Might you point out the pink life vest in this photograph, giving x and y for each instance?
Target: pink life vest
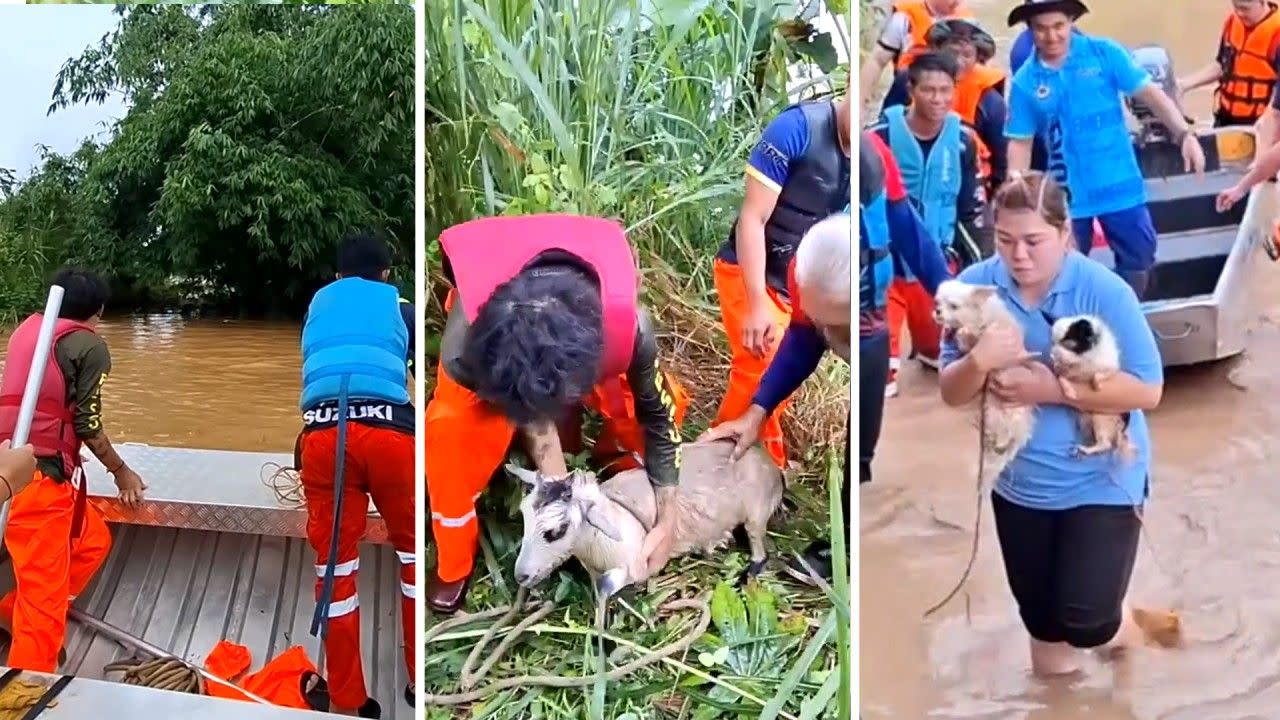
(52, 429)
(487, 252)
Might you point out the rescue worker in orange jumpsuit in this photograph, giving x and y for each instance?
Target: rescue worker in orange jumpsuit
(938, 156)
(1247, 65)
(979, 91)
(905, 35)
(797, 174)
(543, 319)
(357, 341)
(56, 539)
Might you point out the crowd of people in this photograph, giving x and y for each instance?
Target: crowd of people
(1007, 181)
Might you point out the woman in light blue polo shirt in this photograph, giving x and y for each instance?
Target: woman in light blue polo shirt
(1067, 525)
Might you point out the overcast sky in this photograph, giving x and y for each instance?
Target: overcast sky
(35, 40)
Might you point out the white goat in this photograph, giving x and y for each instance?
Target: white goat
(604, 525)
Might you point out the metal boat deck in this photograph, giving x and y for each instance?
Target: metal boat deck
(84, 698)
(213, 554)
(218, 490)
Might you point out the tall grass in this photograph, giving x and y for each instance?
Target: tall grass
(644, 112)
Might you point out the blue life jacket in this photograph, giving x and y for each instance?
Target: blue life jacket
(354, 328)
(875, 261)
(933, 183)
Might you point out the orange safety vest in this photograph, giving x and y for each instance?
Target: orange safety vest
(282, 681)
(970, 88)
(1248, 78)
(921, 19)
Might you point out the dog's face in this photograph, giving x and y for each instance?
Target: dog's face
(1076, 336)
(959, 305)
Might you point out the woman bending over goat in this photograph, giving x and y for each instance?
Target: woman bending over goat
(544, 319)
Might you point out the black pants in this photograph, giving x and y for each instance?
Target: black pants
(873, 375)
(1069, 570)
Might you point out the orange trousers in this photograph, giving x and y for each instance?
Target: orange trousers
(50, 566)
(379, 464)
(908, 301)
(745, 369)
(467, 441)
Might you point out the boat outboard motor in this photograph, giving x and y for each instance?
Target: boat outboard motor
(1156, 61)
(1158, 155)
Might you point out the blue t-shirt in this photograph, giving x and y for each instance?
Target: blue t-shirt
(1046, 475)
(784, 141)
(1038, 96)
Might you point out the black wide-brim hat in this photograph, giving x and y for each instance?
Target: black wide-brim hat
(1030, 8)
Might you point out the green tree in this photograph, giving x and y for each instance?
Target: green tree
(256, 136)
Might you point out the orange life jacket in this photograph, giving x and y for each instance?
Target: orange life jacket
(1248, 78)
(921, 18)
(282, 681)
(971, 86)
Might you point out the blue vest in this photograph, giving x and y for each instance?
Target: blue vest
(933, 183)
(1090, 149)
(875, 262)
(354, 328)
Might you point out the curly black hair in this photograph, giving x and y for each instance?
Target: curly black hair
(535, 348)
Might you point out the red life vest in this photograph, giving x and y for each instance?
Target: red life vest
(52, 430)
(487, 252)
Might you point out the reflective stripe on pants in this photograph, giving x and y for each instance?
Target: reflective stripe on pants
(379, 466)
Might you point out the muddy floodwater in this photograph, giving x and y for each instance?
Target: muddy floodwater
(202, 383)
(1211, 550)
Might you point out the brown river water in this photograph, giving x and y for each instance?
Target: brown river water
(1212, 548)
(211, 384)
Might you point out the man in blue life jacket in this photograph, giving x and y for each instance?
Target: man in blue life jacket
(938, 156)
(357, 344)
(1070, 91)
(978, 95)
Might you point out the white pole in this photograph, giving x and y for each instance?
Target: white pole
(35, 378)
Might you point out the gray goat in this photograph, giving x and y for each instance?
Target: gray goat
(604, 524)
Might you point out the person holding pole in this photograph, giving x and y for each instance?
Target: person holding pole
(56, 540)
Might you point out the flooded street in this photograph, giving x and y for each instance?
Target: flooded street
(202, 383)
(1211, 549)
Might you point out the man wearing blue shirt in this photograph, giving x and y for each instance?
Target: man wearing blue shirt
(1069, 92)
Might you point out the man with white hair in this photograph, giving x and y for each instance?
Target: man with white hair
(820, 280)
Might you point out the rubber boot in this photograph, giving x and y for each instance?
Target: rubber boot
(370, 709)
(1139, 280)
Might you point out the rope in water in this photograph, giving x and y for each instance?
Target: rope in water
(472, 676)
